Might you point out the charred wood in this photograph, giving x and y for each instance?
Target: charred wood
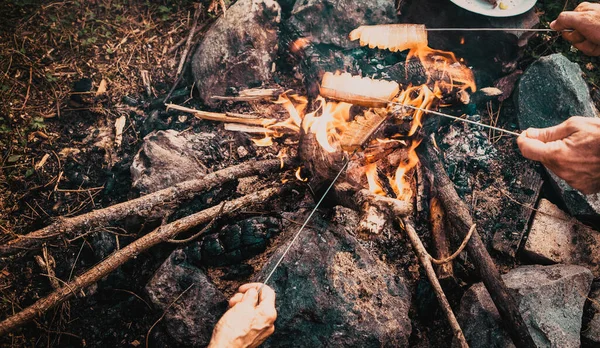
(441, 244)
(460, 218)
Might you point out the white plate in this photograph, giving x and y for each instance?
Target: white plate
(514, 7)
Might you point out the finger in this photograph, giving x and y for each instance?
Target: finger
(549, 134)
(588, 48)
(565, 20)
(237, 298)
(533, 149)
(267, 295)
(574, 36)
(248, 286)
(584, 6)
(267, 304)
(250, 297)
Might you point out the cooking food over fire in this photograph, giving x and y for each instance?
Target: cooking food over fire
(393, 37)
(358, 90)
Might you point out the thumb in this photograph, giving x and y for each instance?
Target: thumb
(549, 134)
(250, 297)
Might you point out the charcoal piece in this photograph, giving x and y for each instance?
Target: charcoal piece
(406, 73)
(236, 242)
(211, 247)
(231, 237)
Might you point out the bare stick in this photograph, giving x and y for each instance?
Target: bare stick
(459, 216)
(144, 207)
(118, 258)
(425, 260)
(215, 116)
(188, 43)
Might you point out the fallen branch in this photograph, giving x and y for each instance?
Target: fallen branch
(215, 116)
(253, 94)
(440, 238)
(118, 258)
(143, 207)
(425, 260)
(459, 216)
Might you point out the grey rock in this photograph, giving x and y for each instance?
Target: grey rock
(556, 237)
(550, 298)
(189, 320)
(331, 21)
(238, 50)
(550, 91)
(591, 331)
(169, 157)
(331, 292)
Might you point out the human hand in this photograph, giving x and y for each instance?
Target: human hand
(570, 150)
(585, 22)
(249, 320)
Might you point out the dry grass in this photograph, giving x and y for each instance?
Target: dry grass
(45, 48)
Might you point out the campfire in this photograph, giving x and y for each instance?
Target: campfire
(337, 163)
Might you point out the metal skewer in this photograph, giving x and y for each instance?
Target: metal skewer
(452, 117)
(496, 29)
(293, 241)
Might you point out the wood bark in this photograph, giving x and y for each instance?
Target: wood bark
(118, 258)
(459, 216)
(143, 207)
(441, 244)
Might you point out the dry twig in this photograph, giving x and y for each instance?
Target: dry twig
(129, 252)
(143, 207)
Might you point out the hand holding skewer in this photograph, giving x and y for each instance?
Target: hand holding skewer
(585, 22)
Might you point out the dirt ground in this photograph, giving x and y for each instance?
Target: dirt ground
(55, 56)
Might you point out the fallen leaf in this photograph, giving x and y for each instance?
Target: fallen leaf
(102, 88)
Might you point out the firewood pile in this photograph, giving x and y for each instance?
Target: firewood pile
(407, 196)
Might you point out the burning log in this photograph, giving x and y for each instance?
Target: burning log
(118, 258)
(459, 216)
(143, 207)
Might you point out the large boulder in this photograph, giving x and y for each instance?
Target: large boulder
(331, 292)
(330, 21)
(239, 49)
(550, 299)
(550, 91)
(169, 157)
(189, 319)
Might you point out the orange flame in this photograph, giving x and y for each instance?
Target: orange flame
(400, 185)
(374, 186)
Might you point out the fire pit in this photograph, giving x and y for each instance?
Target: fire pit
(334, 178)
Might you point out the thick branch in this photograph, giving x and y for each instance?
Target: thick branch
(118, 258)
(142, 207)
(440, 238)
(459, 216)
